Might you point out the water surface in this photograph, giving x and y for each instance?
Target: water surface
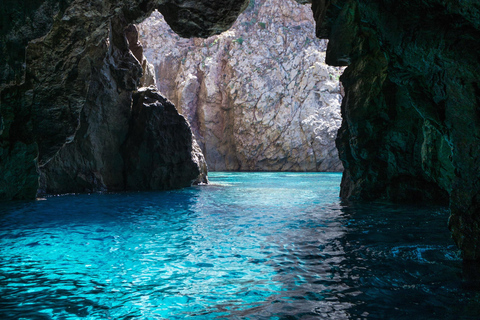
(247, 246)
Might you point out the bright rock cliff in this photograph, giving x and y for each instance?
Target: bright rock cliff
(259, 96)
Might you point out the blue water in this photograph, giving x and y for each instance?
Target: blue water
(247, 246)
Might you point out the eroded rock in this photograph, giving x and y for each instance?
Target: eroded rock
(411, 128)
(127, 140)
(259, 96)
(66, 107)
(91, 161)
(160, 151)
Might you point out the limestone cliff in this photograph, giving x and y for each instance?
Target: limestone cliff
(259, 96)
(411, 124)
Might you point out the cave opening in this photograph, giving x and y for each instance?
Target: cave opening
(258, 97)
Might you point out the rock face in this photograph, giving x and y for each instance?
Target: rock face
(258, 97)
(411, 124)
(107, 152)
(159, 148)
(66, 109)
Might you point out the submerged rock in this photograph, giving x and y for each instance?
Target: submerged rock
(259, 96)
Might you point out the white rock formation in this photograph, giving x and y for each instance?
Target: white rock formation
(259, 96)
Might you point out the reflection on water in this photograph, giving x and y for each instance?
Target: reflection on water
(248, 246)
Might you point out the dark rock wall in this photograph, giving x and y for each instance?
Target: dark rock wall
(92, 161)
(156, 127)
(20, 22)
(411, 121)
(66, 88)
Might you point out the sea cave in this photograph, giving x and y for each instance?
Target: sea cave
(267, 159)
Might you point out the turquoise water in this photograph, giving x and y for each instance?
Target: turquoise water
(247, 246)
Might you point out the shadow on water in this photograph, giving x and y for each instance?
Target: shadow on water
(373, 261)
(25, 304)
(405, 264)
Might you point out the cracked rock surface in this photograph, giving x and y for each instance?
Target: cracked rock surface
(259, 96)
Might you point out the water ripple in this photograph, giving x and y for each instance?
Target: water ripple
(249, 246)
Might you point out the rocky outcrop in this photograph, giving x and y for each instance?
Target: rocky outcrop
(411, 128)
(258, 97)
(160, 152)
(121, 145)
(67, 106)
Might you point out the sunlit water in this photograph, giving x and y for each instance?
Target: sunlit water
(248, 246)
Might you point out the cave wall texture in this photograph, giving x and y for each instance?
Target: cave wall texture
(67, 85)
(411, 110)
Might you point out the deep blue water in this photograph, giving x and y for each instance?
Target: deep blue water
(248, 246)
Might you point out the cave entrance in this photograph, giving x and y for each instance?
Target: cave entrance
(259, 97)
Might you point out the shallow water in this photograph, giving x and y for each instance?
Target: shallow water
(248, 246)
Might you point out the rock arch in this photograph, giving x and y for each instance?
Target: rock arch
(72, 99)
